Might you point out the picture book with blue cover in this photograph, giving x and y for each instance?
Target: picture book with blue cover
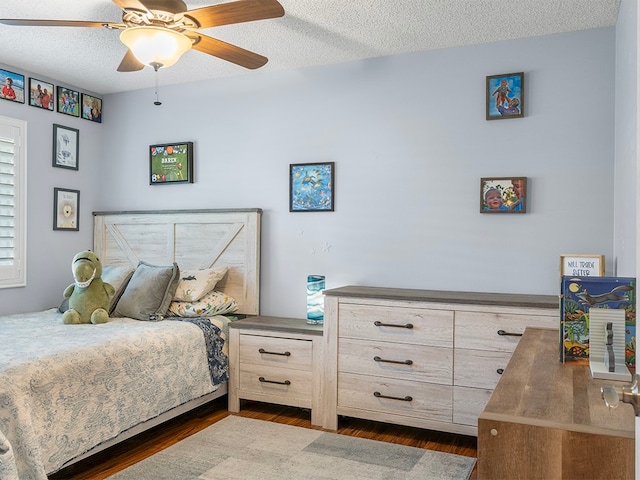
(580, 294)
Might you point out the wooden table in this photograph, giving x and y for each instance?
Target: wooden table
(547, 420)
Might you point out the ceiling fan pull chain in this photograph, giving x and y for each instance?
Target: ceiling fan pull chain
(157, 102)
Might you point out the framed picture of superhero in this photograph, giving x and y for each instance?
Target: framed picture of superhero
(505, 96)
(12, 86)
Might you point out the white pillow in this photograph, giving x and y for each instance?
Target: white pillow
(195, 284)
(214, 303)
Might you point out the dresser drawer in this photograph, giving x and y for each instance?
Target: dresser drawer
(479, 368)
(479, 330)
(396, 360)
(276, 351)
(397, 324)
(296, 385)
(428, 401)
(468, 404)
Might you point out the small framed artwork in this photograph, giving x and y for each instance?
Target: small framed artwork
(12, 86)
(66, 209)
(68, 101)
(66, 147)
(582, 265)
(171, 163)
(505, 96)
(91, 108)
(311, 187)
(41, 94)
(503, 195)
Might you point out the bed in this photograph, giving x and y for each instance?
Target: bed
(69, 391)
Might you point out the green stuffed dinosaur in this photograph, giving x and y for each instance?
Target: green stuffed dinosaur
(88, 295)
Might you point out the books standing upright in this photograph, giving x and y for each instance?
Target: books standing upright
(581, 294)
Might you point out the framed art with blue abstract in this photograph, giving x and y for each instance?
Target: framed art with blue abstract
(311, 187)
(505, 96)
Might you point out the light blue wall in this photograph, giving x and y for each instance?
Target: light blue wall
(410, 142)
(626, 138)
(49, 252)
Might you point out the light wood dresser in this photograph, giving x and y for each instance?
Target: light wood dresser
(422, 358)
(547, 420)
(276, 360)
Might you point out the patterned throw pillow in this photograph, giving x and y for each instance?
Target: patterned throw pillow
(214, 303)
(195, 284)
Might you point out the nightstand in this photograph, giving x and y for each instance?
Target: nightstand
(276, 360)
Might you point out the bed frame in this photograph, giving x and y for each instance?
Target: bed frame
(193, 239)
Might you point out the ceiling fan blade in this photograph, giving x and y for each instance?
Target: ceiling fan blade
(59, 23)
(130, 63)
(235, 12)
(228, 52)
(130, 4)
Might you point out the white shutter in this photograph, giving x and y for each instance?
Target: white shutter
(12, 202)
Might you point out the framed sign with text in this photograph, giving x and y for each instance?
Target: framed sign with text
(582, 265)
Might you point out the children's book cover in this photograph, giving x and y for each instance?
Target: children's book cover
(578, 295)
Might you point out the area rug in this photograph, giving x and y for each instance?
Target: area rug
(244, 448)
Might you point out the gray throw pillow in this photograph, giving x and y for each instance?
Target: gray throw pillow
(149, 292)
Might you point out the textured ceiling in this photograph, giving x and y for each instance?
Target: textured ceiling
(312, 32)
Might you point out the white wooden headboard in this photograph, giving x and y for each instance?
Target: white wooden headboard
(193, 239)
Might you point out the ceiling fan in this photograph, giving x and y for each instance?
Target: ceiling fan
(158, 32)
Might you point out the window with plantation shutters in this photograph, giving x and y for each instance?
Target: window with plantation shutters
(12, 202)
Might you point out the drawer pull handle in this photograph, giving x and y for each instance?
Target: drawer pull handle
(509, 334)
(500, 371)
(378, 323)
(284, 354)
(402, 362)
(402, 399)
(264, 380)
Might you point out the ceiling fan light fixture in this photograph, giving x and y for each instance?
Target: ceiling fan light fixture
(156, 46)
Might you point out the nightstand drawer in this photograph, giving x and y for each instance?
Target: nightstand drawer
(296, 385)
(396, 360)
(276, 351)
(398, 397)
(418, 326)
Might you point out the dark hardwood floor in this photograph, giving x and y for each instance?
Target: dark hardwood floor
(146, 444)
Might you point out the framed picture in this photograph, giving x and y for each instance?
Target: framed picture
(503, 195)
(68, 101)
(505, 96)
(12, 86)
(311, 187)
(41, 94)
(582, 265)
(91, 108)
(66, 209)
(171, 163)
(66, 147)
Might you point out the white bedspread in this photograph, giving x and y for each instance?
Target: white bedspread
(67, 388)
